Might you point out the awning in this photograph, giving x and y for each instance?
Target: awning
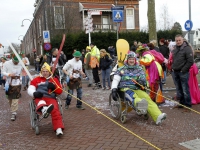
(94, 7)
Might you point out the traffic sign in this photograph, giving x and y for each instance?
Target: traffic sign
(47, 46)
(117, 15)
(188, 25)
(46, 35)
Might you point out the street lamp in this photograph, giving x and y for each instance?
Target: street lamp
(19, 36)
(23, 21)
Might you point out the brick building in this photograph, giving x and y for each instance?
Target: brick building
(66, 16)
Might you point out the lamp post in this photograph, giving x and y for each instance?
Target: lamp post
(19, 36)
(23, 26)
(23, 21)
(189, 36)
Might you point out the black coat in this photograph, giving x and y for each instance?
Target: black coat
(182, 58)
(105, 62)
(164, 50)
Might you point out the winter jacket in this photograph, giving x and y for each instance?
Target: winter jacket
(164, 50)
(182, 58)
(105, 62)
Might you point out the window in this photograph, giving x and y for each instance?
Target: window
(39, 27)
(196, 33)
(130, 19)
(59, 19)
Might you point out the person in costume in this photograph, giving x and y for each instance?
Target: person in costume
(73, 69)
(12, 70)
(25, 78)
(154, 72)
(44, 89)
(130, 78)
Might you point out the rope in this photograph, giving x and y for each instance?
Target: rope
(142, 87)
(94, 108)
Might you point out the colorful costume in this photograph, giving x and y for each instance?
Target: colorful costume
(154, 74)
(130, 79)
(41, 84)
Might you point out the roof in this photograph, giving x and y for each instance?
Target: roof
(93, 6)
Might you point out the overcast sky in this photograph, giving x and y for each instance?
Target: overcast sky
(13, 12)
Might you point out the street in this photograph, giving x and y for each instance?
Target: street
(90, 130)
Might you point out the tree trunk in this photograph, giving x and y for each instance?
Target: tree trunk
(152, 20)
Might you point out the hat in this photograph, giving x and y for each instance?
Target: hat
(22, 53)
(15, 59)
(46, 66)
(141, 48)
(4, 58)
(77, 54)
(131, 55)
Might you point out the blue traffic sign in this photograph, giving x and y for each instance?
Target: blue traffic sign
(117, 15)
(188, 25)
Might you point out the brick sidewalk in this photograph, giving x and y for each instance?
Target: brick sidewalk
(89, 130)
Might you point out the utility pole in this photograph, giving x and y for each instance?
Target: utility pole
(189, 36)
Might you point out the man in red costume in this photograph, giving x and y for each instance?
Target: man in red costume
(44, 89)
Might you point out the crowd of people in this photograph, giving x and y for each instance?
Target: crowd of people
(146, 65)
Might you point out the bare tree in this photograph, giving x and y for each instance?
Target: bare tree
(165, 22)
(152, 20)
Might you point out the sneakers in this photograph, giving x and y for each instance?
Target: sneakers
(80, 107)
(103, 88)
(141, 107)
(46, 110)
(59, 132)
(13, 117)
(160, 118)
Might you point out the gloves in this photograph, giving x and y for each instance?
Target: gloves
(114, 94)
(51, 86)
(38, 95)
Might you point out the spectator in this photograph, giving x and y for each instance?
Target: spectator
(25, 78)
(95, 58)
(105, 66)
(165, 52)
(87, 65)
(134, 46)
(182, 61)
(154, 42)
(2, 80)
(44, 89)
(44, 60)
(37, 63)
(63, 56)
(112, 51)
